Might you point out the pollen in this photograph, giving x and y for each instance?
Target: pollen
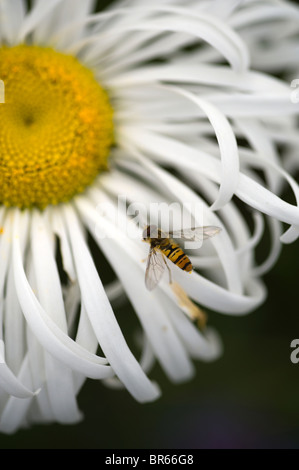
(56, 127)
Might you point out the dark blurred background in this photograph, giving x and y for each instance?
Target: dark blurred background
(247, 399)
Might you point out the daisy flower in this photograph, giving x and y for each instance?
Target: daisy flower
(157, 103)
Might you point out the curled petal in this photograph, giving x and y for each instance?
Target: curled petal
(103, 320)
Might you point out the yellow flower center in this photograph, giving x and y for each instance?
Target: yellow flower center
(56, 127)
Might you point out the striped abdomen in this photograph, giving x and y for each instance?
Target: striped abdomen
(175, 254)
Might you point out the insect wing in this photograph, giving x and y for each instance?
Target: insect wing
(154, 269)
(196, 234)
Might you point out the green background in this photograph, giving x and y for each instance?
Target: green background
(247, 399)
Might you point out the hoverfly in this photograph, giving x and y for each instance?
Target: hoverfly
(162, 246)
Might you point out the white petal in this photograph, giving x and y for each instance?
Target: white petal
(202, 290)
(12, 14)
(5, 248)
(206, 347)
(65, 13)
(11, 384)
(14, 414)
(62, 391)
(49, 335)
(85, 335)
(256, 136)
(256, 105)
(88, 340)
(201, 25)
(291, 235)
(159, 330)
(222, 243)
(262, 199)
(275, 233)
(200, 74)
(58, 376)
(36, 358)
(72, 300)
(147, 362)
(147, 359)
(228, 149)
(114, 291)
(41, 9)
(60, 231)
(46, 271)
(216, 298)
(196, 161)
(103, 320)
(14, 327)
(264, 12)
